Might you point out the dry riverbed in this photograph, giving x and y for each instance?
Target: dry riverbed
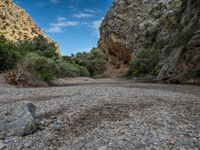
(103, 114)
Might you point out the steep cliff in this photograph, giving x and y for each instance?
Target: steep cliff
(171, 27)
(17, 26)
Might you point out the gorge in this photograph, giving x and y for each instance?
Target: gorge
(112, 97)
(170, 27)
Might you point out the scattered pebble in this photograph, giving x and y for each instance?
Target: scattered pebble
(109, 115)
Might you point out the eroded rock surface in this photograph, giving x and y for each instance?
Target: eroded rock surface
(171, 27)
(16, 24)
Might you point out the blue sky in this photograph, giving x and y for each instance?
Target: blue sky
(73, 24)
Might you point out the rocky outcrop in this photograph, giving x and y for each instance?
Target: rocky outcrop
(171, 27)
(17, 26)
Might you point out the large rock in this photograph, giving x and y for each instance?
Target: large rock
(16, 24)
(19, 120)
(168, 26)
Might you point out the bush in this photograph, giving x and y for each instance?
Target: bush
(145, 63)
(64, 69)
(94, 61)
(97, 62)
(40, 66)
(41, 46)
(39, 58)
(83, 71)
(48, 69)
(9, 54)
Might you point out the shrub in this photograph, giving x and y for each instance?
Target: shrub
(97, 62)
(81, 58)
(65, 69)
(94, 61)
(83, 71)
(9, 54)
(145, 63)
(41, 46)
(40, 66)
(39, 58)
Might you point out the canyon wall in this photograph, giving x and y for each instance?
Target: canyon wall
(17, 25)
(171, 27)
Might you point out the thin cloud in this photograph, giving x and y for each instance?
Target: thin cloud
(61, 19)
(65, 24)
(83, 15)
(54, 29)
(60, 24)
(90, 11)
(95, 25)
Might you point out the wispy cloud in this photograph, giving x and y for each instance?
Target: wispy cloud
(90, 11)
(83, 15)
(60, 24)
(54, 29)
(95, 25)
(61, 19)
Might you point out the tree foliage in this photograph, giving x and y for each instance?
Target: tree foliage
(145, 63)
(94, 61)
(9, 54)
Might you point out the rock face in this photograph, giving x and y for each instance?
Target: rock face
(16, 25)
(171, 27)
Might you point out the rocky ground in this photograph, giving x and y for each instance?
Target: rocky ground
(100, 114)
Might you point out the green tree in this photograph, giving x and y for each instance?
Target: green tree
(145, 63)
(94, 61)
(9, 54)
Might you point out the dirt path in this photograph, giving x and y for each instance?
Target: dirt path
(108, 114)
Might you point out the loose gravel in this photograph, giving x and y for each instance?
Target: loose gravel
(107, 115)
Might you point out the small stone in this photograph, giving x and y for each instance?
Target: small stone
(28, 144)
(172, 141)
(102, 148)
(182, 148)
(131, 114)
(155, 147)
(2, 145)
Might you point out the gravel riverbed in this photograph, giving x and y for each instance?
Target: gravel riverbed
(106, 114)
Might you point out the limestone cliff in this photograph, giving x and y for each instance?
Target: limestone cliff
(171, 27)
(16, 25)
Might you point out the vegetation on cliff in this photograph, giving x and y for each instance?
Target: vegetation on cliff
(145, 64)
